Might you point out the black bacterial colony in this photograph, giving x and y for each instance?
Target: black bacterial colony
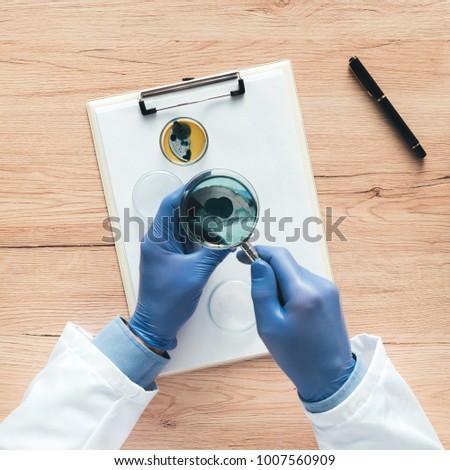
(179, 141)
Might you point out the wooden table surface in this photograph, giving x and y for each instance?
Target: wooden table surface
(393, 270)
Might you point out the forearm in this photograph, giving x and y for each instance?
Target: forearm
(80, 400)
(140, 363)
(347, 388)
(381, 412)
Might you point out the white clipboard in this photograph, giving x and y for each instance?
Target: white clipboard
(258, 134)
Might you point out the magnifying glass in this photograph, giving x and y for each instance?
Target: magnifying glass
(219, 209)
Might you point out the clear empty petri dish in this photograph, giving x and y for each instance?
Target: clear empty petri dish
(151, 189)
(183, 141)
(231, 308)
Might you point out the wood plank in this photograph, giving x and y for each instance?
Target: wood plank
(45, 288)
(51, 189)
(249, 405)
(402, 297)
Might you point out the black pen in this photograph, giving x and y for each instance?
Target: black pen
(375, 92)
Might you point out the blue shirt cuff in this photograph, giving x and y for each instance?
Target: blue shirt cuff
(343, 393)
(134, 359)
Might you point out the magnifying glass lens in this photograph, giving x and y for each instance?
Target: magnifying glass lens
(219, 209)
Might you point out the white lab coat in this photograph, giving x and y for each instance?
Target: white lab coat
(80, 400)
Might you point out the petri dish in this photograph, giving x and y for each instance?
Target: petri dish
(219, 209)
(231, 308)
(183, 141)
(151, 189)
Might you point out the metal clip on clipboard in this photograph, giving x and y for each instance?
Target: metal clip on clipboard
(187, 84)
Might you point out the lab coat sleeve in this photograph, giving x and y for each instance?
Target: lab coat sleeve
(381, 413)
(80, 400)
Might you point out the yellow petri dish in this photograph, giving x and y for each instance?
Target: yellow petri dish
(183, 141)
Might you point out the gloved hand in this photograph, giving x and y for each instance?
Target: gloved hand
(299, 318)
(173, 274)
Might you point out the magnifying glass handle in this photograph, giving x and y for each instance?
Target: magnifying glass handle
(250, 251)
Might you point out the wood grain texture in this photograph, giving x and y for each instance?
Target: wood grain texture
(393, 270)
(247, 405)
(240, 407)
(82, 285)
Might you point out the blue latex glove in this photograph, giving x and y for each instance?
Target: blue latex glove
(299, 318)
(173, 274)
